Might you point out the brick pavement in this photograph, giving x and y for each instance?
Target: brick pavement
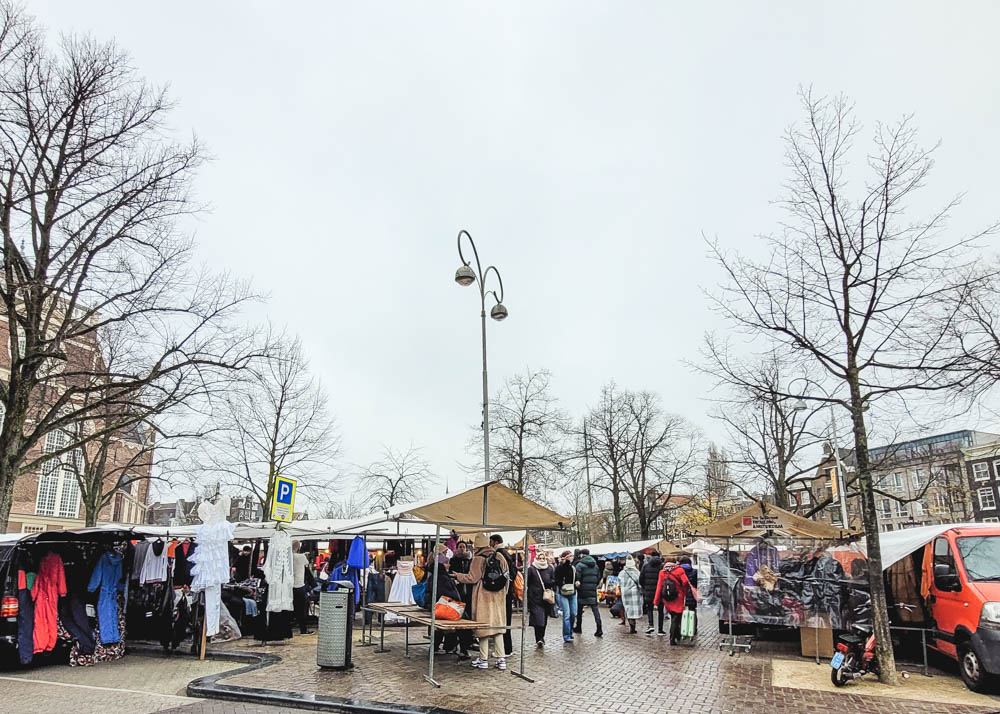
(618, 673)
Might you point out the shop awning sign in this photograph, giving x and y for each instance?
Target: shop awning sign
(283, 504)
(762, 523)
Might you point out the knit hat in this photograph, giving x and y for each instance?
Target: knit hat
(629, 561)
(481, 541)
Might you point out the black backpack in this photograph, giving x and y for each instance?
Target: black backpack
(494, 576)
(668, 589)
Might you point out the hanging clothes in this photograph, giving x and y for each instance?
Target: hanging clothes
(138, 559)
(25, 617)
(50, 585)
(357, 561)
(211, 561)
(182, 563)
(107, 576)
(278, 573)
(402, 587)
(154, 565)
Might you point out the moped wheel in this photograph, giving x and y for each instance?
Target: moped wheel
(840, 676)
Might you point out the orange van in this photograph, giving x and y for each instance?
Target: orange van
(963, 597)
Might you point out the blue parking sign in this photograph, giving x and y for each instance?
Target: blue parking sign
(284, 499)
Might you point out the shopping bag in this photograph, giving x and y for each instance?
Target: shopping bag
(420, 594)
(518, 587)
(448, 609)
(687, 623)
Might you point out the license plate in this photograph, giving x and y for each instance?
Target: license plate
(838, 659)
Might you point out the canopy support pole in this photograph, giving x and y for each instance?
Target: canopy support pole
(524, 608)
(434, 589)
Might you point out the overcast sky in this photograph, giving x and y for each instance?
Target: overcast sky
(586, 146)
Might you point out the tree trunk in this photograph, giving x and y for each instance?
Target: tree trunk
(879, 604)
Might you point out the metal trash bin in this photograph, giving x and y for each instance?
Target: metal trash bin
(336, 625)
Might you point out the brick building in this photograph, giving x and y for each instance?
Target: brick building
(49, 498)
(982, 469)
(932, 474)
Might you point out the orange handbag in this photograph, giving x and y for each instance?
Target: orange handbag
(448, 609)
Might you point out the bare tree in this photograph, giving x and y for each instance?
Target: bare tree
(854, 289)
(90, 192)
(528, 448)
(769, 435)
(719, 484)
(274, 422)
(397, 477)
(646, 456)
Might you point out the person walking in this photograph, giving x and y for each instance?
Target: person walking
(648, 579)
(632, 593)
(300, 571)
(489, 575)
(564, 583)
(671, 592)
(541, 576)
(691, 601)
(588, 577)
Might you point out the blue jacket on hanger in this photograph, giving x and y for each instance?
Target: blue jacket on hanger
(108, 577)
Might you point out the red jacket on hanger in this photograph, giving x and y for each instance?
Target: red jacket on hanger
(50, 585)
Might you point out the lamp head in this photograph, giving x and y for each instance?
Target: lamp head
(465, 276)
(499, 312)
(799, 406)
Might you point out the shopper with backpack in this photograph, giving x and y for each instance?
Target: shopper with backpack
(496, 542)
(489, 575)
(671, 592)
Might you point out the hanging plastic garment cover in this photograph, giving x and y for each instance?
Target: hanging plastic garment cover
(107, 576)
(211, 561)
(278, 572)
(50, 585)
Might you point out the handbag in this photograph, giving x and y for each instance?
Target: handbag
(548, 596)
(448, 609)
(567, 589)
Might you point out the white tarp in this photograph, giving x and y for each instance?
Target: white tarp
(631, 546)
(896, 545)
(701, 547)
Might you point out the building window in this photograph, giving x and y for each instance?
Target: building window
(996, 469)
(32, 529)
(918, 509)
(901, 510)
(918, 478)
(987, 501)
(940, 500)
(58, 488)
(992, 519)
(884, 508)
(981, 471)
(894, 482)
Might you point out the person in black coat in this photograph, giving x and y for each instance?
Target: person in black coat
(648, 578)
(588, 578)
(541, 576)
(496, 542)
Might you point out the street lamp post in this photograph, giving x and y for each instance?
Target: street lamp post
(839, 480)
(465, 276)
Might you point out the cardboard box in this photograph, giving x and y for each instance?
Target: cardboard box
(808, 637)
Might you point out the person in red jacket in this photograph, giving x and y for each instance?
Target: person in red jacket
(674, 605)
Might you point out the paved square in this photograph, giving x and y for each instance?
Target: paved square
(618, 673)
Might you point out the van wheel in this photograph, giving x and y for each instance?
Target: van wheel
(971, 668)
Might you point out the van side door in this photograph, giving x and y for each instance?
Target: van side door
(946, 596)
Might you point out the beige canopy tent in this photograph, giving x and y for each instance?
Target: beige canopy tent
(762, 517)
(486, 507)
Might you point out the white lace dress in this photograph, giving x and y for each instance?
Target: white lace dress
(210, 567)
(278, 571)
(402, 587)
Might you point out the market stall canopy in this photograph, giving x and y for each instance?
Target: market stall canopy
(896, 545)
(620, 550)
(489, 506)
(701, 547)
(761, 517)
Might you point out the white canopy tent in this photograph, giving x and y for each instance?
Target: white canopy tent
(896, 545)
(612, 549)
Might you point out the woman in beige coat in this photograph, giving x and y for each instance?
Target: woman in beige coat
(487, 606)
